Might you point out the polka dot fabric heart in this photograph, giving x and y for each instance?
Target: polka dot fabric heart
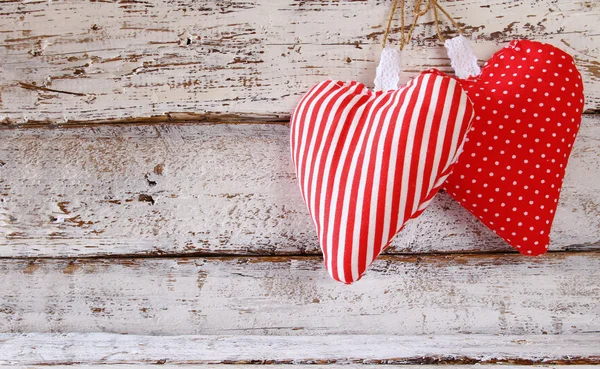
(528, 103)
(368, 162)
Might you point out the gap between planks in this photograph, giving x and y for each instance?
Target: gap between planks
(587, 249)
(176, 119)
(163, 119)
(165, 364)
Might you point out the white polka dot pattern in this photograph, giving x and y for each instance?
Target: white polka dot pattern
(528, 103)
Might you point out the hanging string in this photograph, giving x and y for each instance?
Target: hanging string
(402, 8)
(389, 23)
(417, 13)
(436, 6)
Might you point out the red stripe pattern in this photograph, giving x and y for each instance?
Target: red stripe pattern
(368, 162)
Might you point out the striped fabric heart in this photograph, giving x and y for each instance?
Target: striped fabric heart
(368, 162)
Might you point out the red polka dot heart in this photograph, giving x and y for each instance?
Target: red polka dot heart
(528, 102)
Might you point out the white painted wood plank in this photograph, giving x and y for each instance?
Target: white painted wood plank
(301, 366)
(111, 60)
(46, 349)
(170, 189)
(502, 294)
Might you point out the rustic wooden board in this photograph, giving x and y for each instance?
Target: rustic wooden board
(217, 189)
(485, 294)
(52, 349)
(282, 366)
(93, 61)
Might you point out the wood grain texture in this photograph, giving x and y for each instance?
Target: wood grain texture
(70, 61)
(400, 295)
(166, 365)
(217, 189)
(98, 349)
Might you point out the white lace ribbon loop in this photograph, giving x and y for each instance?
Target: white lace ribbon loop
(462, 58)
(388, 71)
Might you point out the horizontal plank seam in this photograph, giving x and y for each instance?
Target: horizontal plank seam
(451, 254)
(432, 360)
(183, 118)
(188, 119)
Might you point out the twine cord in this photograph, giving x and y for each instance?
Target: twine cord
(417, 13)
(436, 7)
(389, 23)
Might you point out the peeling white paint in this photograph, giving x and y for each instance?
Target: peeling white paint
(225, 188)
(181, 351)
(256, 57)
(399, 295)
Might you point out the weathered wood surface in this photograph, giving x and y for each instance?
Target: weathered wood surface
(92, 61)
(217, 189)
(401, 295)
(52, 349)
(283, 366)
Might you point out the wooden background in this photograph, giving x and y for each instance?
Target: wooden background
(146, 189)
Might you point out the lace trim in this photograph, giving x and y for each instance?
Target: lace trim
(388, 71)
(462, 58)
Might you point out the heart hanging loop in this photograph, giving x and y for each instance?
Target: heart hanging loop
(389, 68)
(462, 57)
(388, 71)
(417, 12)
(389, 23)
(437, 7)
(390, 65)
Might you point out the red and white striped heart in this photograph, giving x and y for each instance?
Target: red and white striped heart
(368, 162)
